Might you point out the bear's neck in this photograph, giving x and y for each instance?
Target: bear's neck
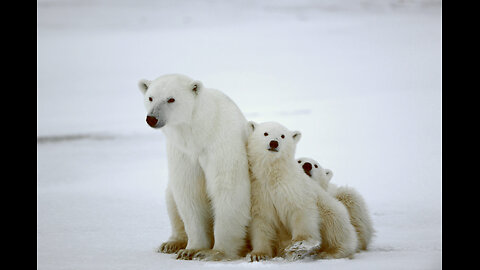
(273, 170)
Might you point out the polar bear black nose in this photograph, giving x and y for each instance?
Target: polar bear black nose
(307, 166)
(151, 121)
(273, 144)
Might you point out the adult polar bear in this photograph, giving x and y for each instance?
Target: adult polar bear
(209, 183)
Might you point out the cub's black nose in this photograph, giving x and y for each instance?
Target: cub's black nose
(151, 121)
(307, 167)
(273, 144)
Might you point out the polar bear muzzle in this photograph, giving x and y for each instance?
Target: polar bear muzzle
(307, 167)
(154, 123)
(273, 146)
(151, 121)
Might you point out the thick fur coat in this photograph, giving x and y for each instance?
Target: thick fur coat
(208, 194)
(285, 218)
(349, 197)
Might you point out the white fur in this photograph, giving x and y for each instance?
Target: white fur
(208, 194)
(318, 173)
(284, 209)
(353, 201)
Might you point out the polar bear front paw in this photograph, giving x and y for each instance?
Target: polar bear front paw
(258, 256)
(300, 249)
(172, 246)
(186, 254)
(210, 255)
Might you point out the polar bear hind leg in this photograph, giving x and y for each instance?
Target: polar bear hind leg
(359, 216)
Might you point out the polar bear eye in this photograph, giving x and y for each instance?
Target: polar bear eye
(171, 100)
(299, 161)
(315, 166)
(283, 136)
(266, 134)
(150, 98)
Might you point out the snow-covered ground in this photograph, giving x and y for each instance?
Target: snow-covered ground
(360, 79)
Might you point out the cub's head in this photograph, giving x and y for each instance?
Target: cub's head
(271, 140)
(169, 99)
(315, 171)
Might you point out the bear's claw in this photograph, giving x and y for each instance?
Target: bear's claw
(256, 257)
(186, 254)
(210, 255)
(171, 246)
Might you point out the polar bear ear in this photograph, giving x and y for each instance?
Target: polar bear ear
(329, 175)
(143, 85)
(296, 136)
(196, 86)
(251, 126)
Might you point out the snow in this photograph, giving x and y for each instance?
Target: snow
(360, 79)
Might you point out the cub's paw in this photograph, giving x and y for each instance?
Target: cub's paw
(300, 249)
(258, 256)
(186, 254)
(171, 246)
(210, 255)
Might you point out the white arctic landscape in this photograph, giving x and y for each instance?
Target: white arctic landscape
(360, 79)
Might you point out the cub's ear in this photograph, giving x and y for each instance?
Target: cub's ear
(196, 86)
(329, 174)
(296, 136)
(251, 125)
(143, 85)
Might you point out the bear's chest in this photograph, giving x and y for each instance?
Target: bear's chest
(184, 140)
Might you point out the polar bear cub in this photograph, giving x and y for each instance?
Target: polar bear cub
(353, 201)
(281, 202)
(287, 205)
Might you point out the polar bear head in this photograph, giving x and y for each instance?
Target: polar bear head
(315, 171)
(271, 140)
(169, 99)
